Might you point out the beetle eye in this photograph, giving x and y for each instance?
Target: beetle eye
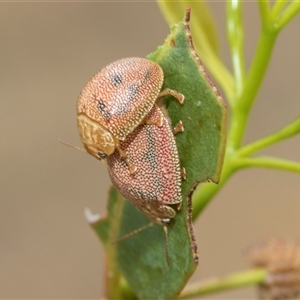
(101, 155)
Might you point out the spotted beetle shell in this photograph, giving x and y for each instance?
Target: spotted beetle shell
(120, 95)
(157, 181)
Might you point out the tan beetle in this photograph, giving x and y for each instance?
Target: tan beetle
(115, 101)
(157, 182)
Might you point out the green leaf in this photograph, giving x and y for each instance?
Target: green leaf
(141, 258)
(202, 23)
(205, 38)
(201, 147)
(107, 229)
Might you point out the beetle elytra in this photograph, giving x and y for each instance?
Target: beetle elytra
(157, 182)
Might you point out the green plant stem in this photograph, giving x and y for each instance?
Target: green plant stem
(126, 292)
(238, 159)
(237, 280)
(244, 101)
(290, 12)
(113, 276)
(206, 191)
(240, 113)
(269, 162)
(277, 7)
(235, 33)
(284, 133)
(264, 9)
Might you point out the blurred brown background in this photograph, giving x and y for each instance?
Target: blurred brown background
(48, 52)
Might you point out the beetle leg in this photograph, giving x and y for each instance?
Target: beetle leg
(133, 232)
(154, 120)
(178, 96)
(154, 117)
(167, 245)
(178, 128)
(123, 154)
(179, 206)
(183, 173)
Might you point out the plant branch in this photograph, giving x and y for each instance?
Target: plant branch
(243, 105)
(113, 276)
(264, 9)
(237, 280)
(244, 101)
(258, 68)
(285, 133)
(277, 7)
(290, 12)
(206, 191)
(269, 162)
(235, 32)
(240, 114)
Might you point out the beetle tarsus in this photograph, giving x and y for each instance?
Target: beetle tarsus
(175, 94)
(132, 168)
(178, 128)
(157, 120)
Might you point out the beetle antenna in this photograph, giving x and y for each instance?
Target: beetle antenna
(129, 234)
(71, 146)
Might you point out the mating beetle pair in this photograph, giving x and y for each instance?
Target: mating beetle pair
(119, 121)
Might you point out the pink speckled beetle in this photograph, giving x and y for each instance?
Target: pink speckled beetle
(157, 181)
(117, 100)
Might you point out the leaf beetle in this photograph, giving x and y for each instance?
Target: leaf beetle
(117, 100)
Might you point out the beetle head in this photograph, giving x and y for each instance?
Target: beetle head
(97, 140)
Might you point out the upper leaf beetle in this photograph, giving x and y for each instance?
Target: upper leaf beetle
(115, 101)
